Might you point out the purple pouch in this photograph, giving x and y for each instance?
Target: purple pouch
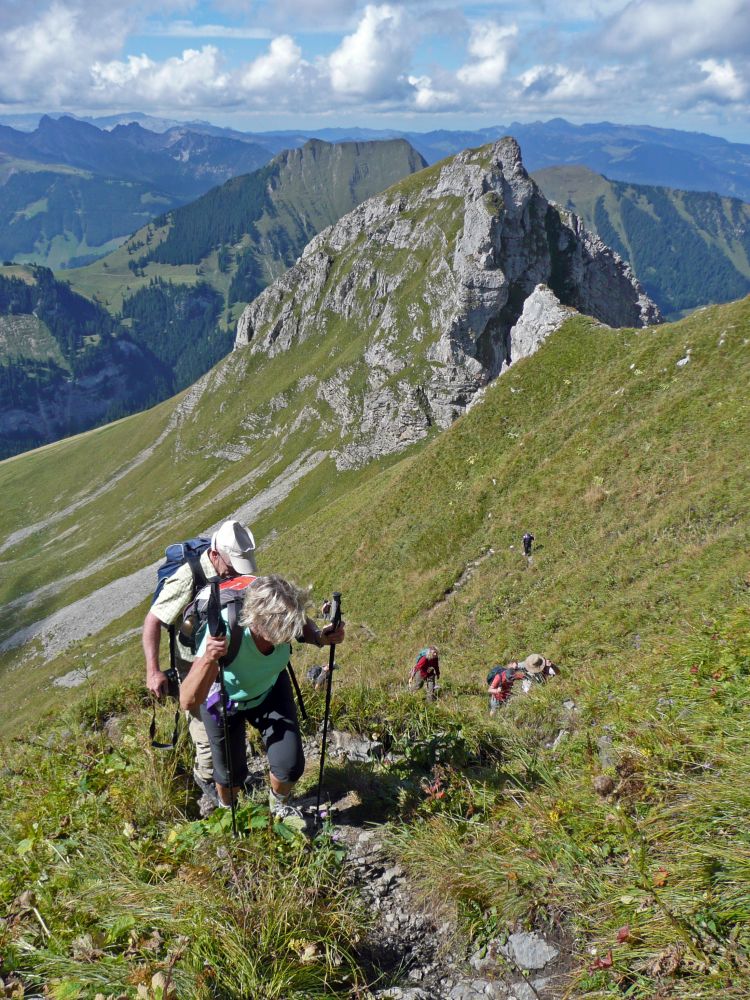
(213, 704)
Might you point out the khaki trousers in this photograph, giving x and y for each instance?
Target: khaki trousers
(203, 763)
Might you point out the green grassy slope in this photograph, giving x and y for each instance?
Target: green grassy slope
(631, 471)
(57, 215)
(687, 248)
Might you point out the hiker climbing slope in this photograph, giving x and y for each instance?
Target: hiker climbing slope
(229, 553)
(425, 672)
(528, 541)
(501, 681)
(258, 689)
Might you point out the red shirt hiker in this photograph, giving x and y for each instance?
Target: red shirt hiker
(425, 672)
(502, 684)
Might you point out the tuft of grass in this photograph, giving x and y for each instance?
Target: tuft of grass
(108, 880)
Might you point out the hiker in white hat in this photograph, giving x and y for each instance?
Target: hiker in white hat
(231, 553)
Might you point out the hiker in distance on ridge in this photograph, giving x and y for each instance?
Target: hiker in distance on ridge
(258, 690)
(231, 553)
(425, 672)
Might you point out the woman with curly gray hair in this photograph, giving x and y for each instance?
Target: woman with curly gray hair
(273, 613)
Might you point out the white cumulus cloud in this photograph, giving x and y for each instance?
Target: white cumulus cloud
(191, 79)
(491, 46)
(41, 58)
(427, 97)
(680, 28)
(561, 84)
(373, 61)
(275, 68)
(721, 82)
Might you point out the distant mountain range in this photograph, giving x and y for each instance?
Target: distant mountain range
(71, 189)
(640, 154)
(688, 248)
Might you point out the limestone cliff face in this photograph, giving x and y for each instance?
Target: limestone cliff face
(431, 277)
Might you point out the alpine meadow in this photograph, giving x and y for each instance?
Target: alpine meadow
(424, 364)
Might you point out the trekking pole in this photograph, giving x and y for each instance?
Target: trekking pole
(297, 691)
(335, 622)
(217, 627)
(173, 680)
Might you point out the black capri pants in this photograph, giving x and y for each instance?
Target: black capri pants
(276, 721)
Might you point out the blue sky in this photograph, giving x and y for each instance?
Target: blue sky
(417, 64)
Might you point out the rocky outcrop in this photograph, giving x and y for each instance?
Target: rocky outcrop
(542, 314)
(432, 277)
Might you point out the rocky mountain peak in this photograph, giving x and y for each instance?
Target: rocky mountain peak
(433, 276)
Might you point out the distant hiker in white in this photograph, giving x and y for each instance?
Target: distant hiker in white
(231, 553)
(258, 689)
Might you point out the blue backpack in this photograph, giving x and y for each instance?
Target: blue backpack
(493, 673)
(177, 555)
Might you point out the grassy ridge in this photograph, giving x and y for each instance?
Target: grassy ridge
(630, 470)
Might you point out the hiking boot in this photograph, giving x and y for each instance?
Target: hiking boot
(207, 786)
(207, 805)
(283, 808)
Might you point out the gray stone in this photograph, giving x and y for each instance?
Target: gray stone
(351, 746)
(542, 983)
(529, 950)
(113, 727)
(607, 756)
(73, 678)
(542, 314)
(522, 991)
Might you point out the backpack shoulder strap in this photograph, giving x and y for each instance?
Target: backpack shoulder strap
(193, 560)
(235, 631)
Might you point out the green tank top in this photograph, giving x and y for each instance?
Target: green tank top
(252, 674)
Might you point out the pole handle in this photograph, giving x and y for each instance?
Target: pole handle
(336, 610)
(216, 624)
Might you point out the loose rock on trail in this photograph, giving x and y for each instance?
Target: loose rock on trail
(410, 953)
(421, 954)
